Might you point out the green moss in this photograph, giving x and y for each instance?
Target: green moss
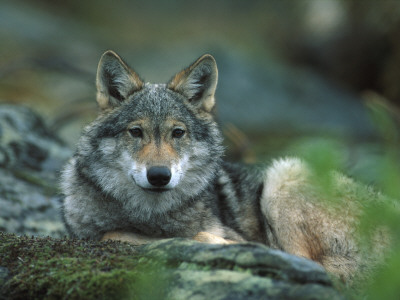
(46, 268)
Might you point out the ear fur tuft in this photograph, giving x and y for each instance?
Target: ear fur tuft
(115, 81)
(198, 82)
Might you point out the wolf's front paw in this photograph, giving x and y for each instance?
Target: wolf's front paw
(130, 237)
(206, 237)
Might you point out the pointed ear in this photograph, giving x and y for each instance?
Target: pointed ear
(115, 81)
(198, 82)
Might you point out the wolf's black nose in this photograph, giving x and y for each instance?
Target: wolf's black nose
(158, 176)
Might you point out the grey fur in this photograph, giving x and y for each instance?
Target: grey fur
(106, 190)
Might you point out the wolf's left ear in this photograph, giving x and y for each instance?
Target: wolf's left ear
(198, 82)
(115, 81)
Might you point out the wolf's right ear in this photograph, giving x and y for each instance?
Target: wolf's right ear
(198, 83)
(115, 81)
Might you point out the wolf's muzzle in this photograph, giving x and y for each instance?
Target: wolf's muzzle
(159, 176)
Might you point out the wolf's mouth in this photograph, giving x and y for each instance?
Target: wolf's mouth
(155, 190)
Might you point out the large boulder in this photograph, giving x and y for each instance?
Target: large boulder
(169, 269)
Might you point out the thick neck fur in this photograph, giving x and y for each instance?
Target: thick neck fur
(103, 161)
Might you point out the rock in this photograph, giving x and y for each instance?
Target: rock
(167, 269)
(239, 271)
(30, 159)
(26, 141)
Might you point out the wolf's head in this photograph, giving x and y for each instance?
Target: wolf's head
(152, 142)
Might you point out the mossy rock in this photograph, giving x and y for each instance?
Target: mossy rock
(49, 268)
(65, 268)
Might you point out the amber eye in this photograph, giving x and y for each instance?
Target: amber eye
(136, 132)
(178, 133)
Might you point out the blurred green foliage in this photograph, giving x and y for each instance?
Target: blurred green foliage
(325, 155)
(386, 283)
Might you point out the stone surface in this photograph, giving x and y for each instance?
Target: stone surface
(30, 160)
(238, 271)
(167, 269)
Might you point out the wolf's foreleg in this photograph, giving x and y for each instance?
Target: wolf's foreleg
(206, 237)
(138, 239)
(130, 237)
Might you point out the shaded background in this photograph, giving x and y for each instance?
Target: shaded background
(289, 70)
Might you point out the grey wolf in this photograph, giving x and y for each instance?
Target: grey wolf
(150, 166)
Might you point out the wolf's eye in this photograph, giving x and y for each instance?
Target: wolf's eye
(136, 132)
(178, 133)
